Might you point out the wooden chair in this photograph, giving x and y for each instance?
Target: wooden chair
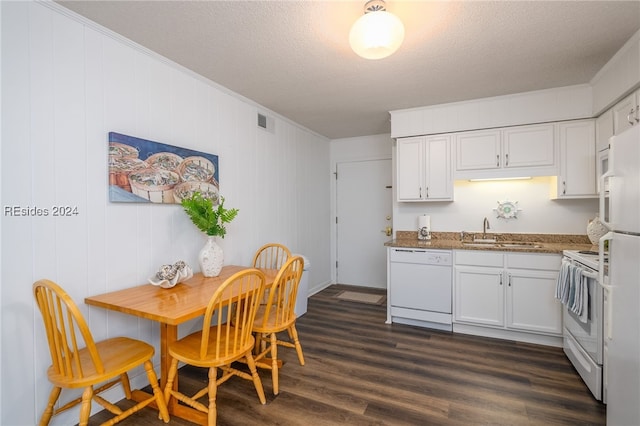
(271, 256)
(97, 362)
(278, 315)
(233, 308)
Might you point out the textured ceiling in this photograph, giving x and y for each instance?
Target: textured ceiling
(293, 57)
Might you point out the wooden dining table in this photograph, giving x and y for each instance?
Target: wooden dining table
(171, 307)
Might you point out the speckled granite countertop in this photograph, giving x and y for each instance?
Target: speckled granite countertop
(539, 243)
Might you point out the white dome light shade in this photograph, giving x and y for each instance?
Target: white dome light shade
(376, 35)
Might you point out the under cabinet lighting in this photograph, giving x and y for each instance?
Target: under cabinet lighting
(505, 178)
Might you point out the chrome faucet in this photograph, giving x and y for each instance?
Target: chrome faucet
(485, 226)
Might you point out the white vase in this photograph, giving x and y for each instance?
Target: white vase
(595, 230)
(211, 258)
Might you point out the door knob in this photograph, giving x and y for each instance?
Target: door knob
(388, 231)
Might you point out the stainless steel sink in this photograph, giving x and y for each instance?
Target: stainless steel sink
(523, 244)
(477, 244)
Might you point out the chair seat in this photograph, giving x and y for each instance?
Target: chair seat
(119, 355)
(272, 324)
(187, 349)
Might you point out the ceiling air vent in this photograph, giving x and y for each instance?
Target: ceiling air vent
(266, 123)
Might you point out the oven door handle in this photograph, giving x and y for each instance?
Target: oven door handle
(588, 274)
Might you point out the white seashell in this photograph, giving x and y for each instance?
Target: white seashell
(170, 275)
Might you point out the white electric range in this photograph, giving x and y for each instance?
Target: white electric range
(583, 337)
(585, 257)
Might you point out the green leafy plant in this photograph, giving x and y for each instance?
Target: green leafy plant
(208, 218)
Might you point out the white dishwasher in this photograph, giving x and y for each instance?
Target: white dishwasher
(419, 287)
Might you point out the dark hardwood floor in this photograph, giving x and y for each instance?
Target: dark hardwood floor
(361, 371)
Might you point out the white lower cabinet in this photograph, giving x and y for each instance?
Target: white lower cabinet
(507, 292)
(531, 303)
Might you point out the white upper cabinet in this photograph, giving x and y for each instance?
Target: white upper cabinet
(626, 113)
(577, 177)
(424, 168)
(604, 130)
(409, 168)
(528, 146)
(478, 150)
(508, 152)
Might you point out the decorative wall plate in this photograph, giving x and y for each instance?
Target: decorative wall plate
(507, 209)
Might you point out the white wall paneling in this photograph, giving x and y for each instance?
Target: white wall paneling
(69, 82)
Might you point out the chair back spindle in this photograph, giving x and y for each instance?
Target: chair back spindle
(271, 256)
(280, 306)
(64, 326)
(234, 307)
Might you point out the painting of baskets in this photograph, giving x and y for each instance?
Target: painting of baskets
(164, 160)
(121, 150)
(196, 169)
(186, 190)
(144, 171)
(121, 167)
(155, 185)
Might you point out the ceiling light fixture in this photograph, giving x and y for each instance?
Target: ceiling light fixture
(377, 33)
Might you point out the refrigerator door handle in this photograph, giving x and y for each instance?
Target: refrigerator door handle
(602, 197)
(601, 280)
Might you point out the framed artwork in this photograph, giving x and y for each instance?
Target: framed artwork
(143, 171)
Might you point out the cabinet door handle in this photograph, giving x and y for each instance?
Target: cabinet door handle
(564, 187)
(637, 113)
(630, 116)
(500, 279)
(498, 160)
(427, 192)
(420, 192)
(507, 159)
(509, 280)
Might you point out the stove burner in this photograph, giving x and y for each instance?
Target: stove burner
(595, 253)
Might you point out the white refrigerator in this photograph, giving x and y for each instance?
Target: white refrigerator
(622, 288)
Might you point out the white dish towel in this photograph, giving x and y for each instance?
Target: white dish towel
(573, 291)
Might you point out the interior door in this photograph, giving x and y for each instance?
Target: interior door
(364, 206)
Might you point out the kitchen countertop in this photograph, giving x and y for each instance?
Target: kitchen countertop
(544, 243)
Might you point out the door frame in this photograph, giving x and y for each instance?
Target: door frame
(334, 201)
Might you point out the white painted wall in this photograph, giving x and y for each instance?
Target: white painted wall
(66, 83)
(476, 200)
